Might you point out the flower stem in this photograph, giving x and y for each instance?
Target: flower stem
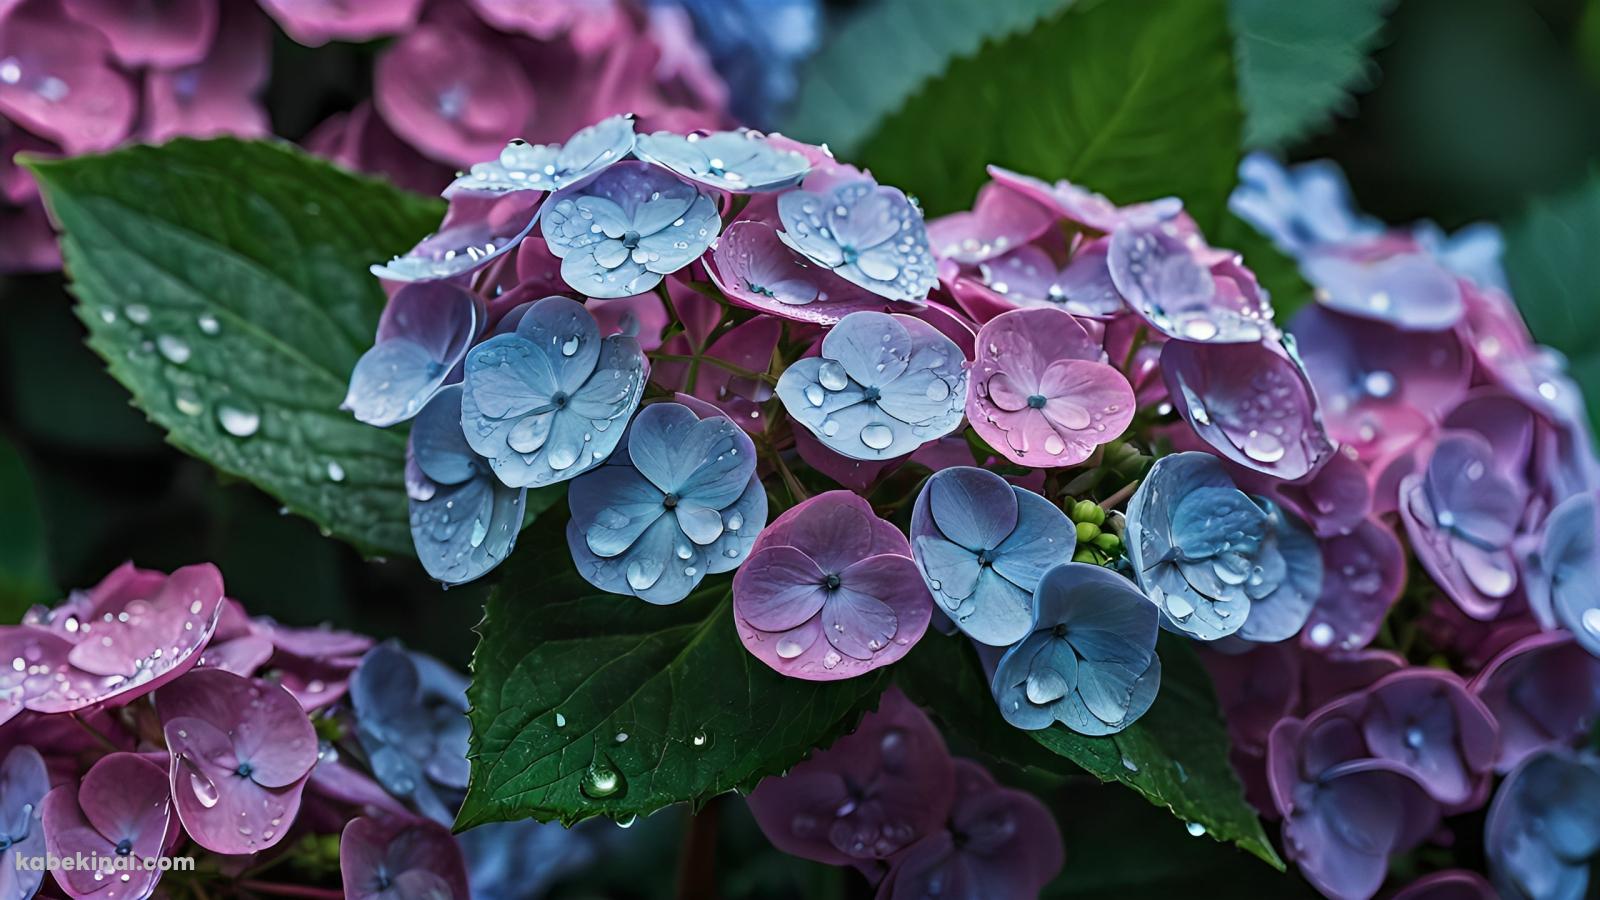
(697, 871)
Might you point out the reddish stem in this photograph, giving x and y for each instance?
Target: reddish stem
(290, 890)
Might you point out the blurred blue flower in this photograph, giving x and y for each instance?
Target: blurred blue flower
(464, 520)
(1090, 661)
(735, 161)
(869, 234)
(1462, 512)
(551, 167)
(23, 783)
(1562, 572)
(1473, 252)
(680, 500)
(1544, 826)
(618, 234)
(411, 720)
(1206, 553)
(757, 47)
(549, 401)
(423, 335)
(883, 386)
(982, 545)
(1300, 209)
(523, 859)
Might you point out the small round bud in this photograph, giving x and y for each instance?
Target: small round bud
(1108, 542)
(1087, 531)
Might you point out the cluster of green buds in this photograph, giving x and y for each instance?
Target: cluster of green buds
(1098, 541)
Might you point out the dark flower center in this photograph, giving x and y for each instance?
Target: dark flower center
(559, 399)
(124, 847)
(871, 395)
(669, 501)
(1060, 631)
(1037, 401)
(986, 557)
(244, 770)
(831, 582)
(850, 254)
(630, 239)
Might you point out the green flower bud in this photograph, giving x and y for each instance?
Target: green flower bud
(1108, 542)
(1087, 531)
(1086, 555)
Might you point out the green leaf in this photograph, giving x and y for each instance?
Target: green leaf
(585, 703)
(1299, 62)
(1176, 755)
(880, 56)
(225, 283)
(1555, 276)
(1134, 99)
(24, 564)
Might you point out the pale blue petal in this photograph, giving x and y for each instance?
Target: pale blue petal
(1011, 680)
(998, 614)
(870, 235)
(1076, 714)
(1280, 614)
(1042, 538)
(706, 461)
(733, 161)
(873, 347)
(630, 202)
(477, 229)
(392, 381)
(973, 507)
(612, 506)
(950, 571)
(741, 524)
(437, 445)
(1211, 521)
(568, 337)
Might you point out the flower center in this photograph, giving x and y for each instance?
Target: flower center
(559, 399)
(871, 395)
(831, 582)
(630, 240)
(850, 254)
(124, 847)
(669, 501)
(1037, 401)
(986, 557)
(1060, 631)
(244, 770)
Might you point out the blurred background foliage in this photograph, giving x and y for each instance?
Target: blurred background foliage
(1451, 110)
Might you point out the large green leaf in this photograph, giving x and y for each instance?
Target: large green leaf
(225, 283)
(24, 565)
(1132, 98)
(587, 704)
(1176, 755)
(1555, 276)
(880, 56)
(1299, 62)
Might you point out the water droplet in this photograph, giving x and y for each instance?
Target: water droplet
(602, 781)
(335, 471)
(1129, 764)
(570, 347)
(832, 376)
(238, 420)
(1195, 829)
(1591, 620)
(1262, 447)
(815, 394)
(789, 648)
(208, 324)
(561, 721)
(877, 436)
(700, 740)
(173, 348)
(137, 313)
(1322, 634)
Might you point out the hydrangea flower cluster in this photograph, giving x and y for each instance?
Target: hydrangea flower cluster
(889, 800)
(151, 716)
(1077, 422)
(456, 81)
(1414, 695)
